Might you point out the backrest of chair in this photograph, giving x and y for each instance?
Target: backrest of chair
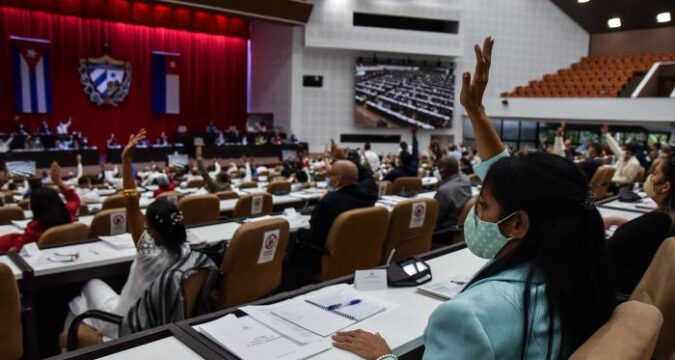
(114, 202)
(192, 286)
(198, 209)
(630, 334)
(64, 235)
(102, 223)
(459, 236)
(279, 187)
(248, 185)
(9, 213)
(411, 227)
(252, 262)
(601, 181)
(253, 204)
(405, 184)
(196, 183)
(11, 333)
(658, 288)
(24, 204)
(225, 195)
(170, 196)
(355, 242)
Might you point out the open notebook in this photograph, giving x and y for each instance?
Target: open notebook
(327, 313)
(446, 289)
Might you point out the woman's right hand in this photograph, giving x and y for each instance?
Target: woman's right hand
(473, 89)
(133, 141)
(198, 152)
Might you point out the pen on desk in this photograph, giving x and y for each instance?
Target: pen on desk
(94, 252)
(458, 282)
(348, 303)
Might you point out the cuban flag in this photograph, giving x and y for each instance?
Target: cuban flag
(165, 83)
(32, 75)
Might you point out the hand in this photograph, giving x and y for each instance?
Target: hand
(472, 89)
(198, 152)
(79, 158)
(133, 141)
(561, 130)
(362, 343)
(336, 151)
(55, 172)
(413, 129)
(605, 128)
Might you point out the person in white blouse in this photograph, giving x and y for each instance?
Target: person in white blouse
(62, 127)
(627, 167)
(371, 158)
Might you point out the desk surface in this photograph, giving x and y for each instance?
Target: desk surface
(628, 215)
(90, 255)
(18, 274)
(168, 348)
(215, 233)
(642, 206)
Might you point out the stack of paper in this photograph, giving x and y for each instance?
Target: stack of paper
(444, 289)
(21, 224)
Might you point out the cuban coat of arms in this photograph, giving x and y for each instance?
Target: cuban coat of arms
(106, 80)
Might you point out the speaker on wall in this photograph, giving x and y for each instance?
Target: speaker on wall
(312, 81)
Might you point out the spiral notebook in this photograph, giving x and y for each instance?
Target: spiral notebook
(317, 315)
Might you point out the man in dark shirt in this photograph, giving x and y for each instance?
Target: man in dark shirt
(303, 262)
(454, 192)
(407, 163)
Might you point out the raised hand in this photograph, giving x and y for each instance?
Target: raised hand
(605, 128)
(561, 130)
(79, 158)
(198, 152)
(133, 141)
(336, 151)
(473, 88)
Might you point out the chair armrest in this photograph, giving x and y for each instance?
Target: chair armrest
(94, 314)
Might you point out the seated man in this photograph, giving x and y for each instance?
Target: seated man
(454, 192)
(627, 166)
(304, 259)
(407, 163)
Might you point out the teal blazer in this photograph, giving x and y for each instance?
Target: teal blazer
(485, 321)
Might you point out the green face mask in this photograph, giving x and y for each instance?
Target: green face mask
(483, 238)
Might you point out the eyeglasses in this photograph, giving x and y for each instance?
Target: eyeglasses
(64, 257)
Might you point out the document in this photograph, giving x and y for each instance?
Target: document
(444, 289)
(264, 314)
(119, 242)
(249, 339)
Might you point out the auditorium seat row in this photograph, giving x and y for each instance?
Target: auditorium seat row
(600, 76)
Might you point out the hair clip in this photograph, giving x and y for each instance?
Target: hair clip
(589, 203)
(176, 218)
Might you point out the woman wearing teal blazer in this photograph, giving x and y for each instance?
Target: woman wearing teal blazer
(546, 289)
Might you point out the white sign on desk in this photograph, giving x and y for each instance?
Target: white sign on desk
(375, 279)
(269, 246)
(118, 223)
(256, 204)
(30, 250)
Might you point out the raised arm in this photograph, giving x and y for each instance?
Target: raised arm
(72, 200)
(80, 168)
(487, 140)
(415, 147)
(558, 143)
(135, 217)
(210, 184)
(613, 145)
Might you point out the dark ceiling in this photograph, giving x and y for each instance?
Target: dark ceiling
(634, 14)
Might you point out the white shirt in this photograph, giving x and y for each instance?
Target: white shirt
(627, 170)
(373, 159)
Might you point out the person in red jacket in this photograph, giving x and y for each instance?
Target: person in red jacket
(165, 185)
(48, 211)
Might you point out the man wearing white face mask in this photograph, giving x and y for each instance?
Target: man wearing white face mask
(454, 192)
(304, 258)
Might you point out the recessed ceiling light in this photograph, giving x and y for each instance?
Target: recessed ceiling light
(663, 17)
(583, 1)
(614, 22)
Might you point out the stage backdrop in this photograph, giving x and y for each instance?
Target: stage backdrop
(212, 80)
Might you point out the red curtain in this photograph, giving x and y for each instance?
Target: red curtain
(212, 83)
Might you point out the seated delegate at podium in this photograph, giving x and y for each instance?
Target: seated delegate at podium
(304, 259)
(535, 219)
(62, 127)
(633, 245)
(112, 142)
(147, 299)
(163, 140)
(452, 194)
(48, 211)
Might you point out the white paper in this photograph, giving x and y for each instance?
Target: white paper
(313, 318)
(30, 250)
(264, 315)
(119, 242)
(269, 246)
(417, 215)
(444, 289)
(248, 339)
(256, 204)
(118, 223)
(21, 224)
(375, 279)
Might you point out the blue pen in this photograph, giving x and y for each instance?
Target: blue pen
(337, 306)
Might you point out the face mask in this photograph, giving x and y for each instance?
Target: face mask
(437, 175)
(329, 184)
(484, 238)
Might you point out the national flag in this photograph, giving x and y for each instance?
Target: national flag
(32, 75)
(165, 83)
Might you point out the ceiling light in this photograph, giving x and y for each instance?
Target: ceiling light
(614, 22)
(583, 1)
(663, 17)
